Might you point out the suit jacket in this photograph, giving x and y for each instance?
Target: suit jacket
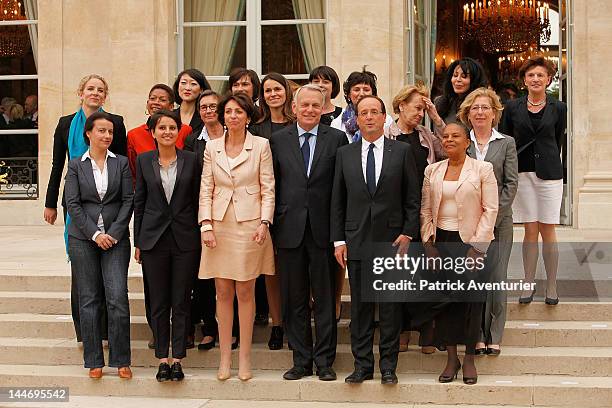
(60, 152)
(249, 183)
(360, 218)
(549, 137)
(476, 197)
(263, 129)
(192, 144)
(195, 123)
(153, 214)
(502, 155)
(84, 204)
(300, 198)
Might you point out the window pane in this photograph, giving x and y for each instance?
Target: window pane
(420, 65)
(215, 10)
(219, 87)
(16, 55)
(292, 9)
(215, 50)
(419, 11)
(292, 49)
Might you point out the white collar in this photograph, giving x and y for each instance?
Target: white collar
(494, 136)
(314, 131)
(87, 156)
(378, 143)
(204, 134)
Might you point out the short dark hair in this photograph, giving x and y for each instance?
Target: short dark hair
(382, 104)
(238, 73)
(325, 72)
(208, 92)
(90, 122)
(157, 116)
(241, 99)
(356, 78)
(165, 88)
(538, 61)
(197, 75)
(263, 106)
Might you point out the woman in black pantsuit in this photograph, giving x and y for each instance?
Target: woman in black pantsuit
(167, 238)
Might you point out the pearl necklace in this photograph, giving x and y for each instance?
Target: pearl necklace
(536, 104)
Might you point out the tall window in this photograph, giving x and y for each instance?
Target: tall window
(420, 17)
(285, 36)
(18, 100)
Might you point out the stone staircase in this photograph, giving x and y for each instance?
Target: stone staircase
(552, 356)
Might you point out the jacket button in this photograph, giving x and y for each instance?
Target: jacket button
(536, 155)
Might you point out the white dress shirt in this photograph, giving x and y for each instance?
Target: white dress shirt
(204, 134)
(312, 142)
(101, 180)
(480, 155)
(338, 124)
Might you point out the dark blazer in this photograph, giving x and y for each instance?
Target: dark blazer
(502, 155)
(263, 129)
(359, 218)
(192, 144)
(195, 123)
(548, 138)
(298, 197)
(84, 204)
(60, 152)
(152, 212)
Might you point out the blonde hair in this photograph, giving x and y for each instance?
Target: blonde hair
(406, 93)
(15, 112)
(464, 109)
(86, 79)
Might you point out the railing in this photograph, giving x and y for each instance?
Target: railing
(18, 178)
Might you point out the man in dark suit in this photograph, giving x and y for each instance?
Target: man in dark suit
(304, 158)
(375, 198)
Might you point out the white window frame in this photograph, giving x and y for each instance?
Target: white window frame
(411, 24)
(253, 24)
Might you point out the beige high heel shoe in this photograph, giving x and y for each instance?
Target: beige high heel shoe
(244, 372)
(224, 373)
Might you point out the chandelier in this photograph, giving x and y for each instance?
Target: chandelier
(506, 26)
(14, 39)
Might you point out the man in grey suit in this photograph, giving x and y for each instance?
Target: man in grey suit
(482, 112)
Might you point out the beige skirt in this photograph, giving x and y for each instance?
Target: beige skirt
(236, 255)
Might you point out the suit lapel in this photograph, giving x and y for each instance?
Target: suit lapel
(319, 147)
(524, 112)
(180, 161)
(157, 175)
(494, 147)
(472, 149)
(294, 146)
(246, 151)
(387, 157)
(221, 156)
(465, 171)
(356, 159)
(112, 170)
(547, 112)
(88, 170)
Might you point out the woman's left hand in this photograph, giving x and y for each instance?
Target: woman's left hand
(477, 256)
(260, 234)
(432, 112)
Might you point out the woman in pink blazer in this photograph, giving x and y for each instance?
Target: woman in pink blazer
(459, 207)
(236, 209)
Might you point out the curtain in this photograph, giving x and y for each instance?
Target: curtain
(433, 32)
(312, 36)
(32, 14)
(211, 48)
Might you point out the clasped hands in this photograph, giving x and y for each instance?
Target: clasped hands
(105, 241)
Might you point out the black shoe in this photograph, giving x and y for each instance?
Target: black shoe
(551, 301)
(177, 372)
(326, 374)
(388, 377)
(235, 344)
(261, 319)
(296, 373)
(447, 379)
(151, 343)
(276, 338)
(359, 376)
(481, 351)
(207, 346)
(163, 372)
(470, 380)
(528, 299)
(493, 352)
(189, 343)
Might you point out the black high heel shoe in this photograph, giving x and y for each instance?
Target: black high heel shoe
(470, 380)
(446, 379)
(235, 344)
(528, 299)
(207, 346)
(551, 301)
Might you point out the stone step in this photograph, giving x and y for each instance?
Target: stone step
(575, 361)
(520, 333)
(415, 388)
(43, 302)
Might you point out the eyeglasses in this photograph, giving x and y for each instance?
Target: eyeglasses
(211, 107)
(371, 113)
(476, 108)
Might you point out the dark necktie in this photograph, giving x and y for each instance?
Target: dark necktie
(306, 150)
(371, 170)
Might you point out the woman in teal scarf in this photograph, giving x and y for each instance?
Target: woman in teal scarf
(68, 142)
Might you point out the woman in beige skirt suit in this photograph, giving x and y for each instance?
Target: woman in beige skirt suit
(236, 209)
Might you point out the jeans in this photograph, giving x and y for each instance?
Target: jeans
(102, 274)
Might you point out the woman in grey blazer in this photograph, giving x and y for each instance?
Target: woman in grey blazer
(481, 111)
(99, 198)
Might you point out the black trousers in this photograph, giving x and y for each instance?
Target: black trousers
(169, 273)
(261, 297)
(204, 308)
(362, 326)
(303, 270)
